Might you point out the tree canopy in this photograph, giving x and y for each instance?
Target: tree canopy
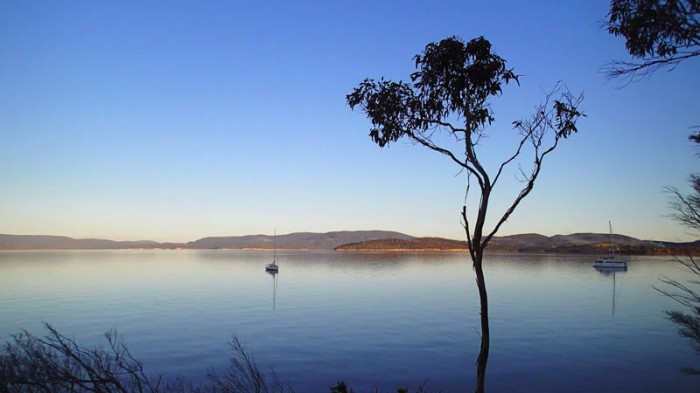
(660, 33)
(450, 92)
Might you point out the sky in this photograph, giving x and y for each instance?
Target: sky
(177, 120)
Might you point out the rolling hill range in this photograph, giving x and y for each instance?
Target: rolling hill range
(414, 244)
(40, 242)
(579, 243)
(586, 243)
(300, 240)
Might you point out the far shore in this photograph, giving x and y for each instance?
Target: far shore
(668, 253)
(372, 241)
(464, 250)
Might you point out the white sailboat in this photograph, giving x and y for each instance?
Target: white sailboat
(609, 262)
(273, 267)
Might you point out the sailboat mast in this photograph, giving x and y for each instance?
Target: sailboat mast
(274, 247)
(612, 246)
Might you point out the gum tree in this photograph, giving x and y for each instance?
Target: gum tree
(658, 33)
(446, 108)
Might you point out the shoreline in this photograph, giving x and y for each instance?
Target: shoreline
(362, 250)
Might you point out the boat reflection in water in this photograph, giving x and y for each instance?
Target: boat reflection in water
(611, 271)
(273, 273)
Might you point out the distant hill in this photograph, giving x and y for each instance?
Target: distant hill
(578, 243)
(30, 242)
(587, 243)
(416, 244)
(299, 240)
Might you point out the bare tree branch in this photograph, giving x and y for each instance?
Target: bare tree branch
(686, 207)
(661, 33)
(632, 72)
(544, 122)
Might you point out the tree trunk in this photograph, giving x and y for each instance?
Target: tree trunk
(483, 358)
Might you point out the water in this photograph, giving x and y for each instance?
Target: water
(383, 320)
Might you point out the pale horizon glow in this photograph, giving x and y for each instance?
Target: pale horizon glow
(173, 122)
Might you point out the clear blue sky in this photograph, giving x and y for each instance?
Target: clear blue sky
(176, 120)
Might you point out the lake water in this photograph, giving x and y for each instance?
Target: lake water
(375, 320)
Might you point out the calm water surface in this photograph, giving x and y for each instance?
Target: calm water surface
(381, 320)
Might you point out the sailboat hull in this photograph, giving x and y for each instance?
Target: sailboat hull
(272, 267)
(610, 264)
